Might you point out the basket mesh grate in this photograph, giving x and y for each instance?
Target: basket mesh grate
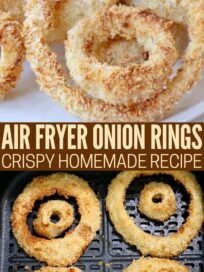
(108, 252)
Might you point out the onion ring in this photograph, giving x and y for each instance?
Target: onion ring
(52, 79)
(63, 251)
(115, 84)
(150, 207)
(148, 244)
(43, 224)
(12, 53)
(54, 269)
(156, 265)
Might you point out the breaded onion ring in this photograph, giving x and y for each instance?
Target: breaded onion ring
(52, 79)
(12, 53)
(148, 244)
(57, 269)
(157, 201)
(156, 265)
(116, 84)
(43, 224)
(63, 251)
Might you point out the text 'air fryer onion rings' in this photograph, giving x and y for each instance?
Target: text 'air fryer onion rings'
(64, 214)
(157, 201)
(62, 251)
(12, 53)
(116, 84)
(148, 244)
(53, 81)
(156, 265)
(58, 269)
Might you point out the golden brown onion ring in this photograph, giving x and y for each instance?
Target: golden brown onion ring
(157, 201)
(63, 251)
(132, 83)
(148, 244)
(12, 53)
(57, 269)
(140, 265)
(156, 265)
(52, 79)
(43, 224)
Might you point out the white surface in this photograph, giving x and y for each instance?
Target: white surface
(27, 104)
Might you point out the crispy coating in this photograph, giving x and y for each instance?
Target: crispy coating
(12, 54)
(57, 269)
(132, 83)
(63, 251)
(43, 224)
(157, 201)
(15, 9)
(52, 79)
(156, 265)
(171, 10)
(65, 14)
(148, 244)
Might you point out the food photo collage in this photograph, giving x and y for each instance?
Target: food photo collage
(102, 136)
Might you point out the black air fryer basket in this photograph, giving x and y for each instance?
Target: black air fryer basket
(108, 252)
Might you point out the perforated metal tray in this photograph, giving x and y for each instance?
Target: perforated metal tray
(108, 252)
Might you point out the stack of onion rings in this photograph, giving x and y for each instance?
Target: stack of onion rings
(53, 81)
(62, 251)
(57, 269)
(115, 84)
(12, 53)
(148, 244)
(43, 224)
(156, 265)
(149, 206)
(65, 14)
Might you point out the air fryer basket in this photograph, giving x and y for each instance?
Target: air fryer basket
(108, 252)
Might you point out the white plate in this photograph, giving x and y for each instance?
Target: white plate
(27, 104)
